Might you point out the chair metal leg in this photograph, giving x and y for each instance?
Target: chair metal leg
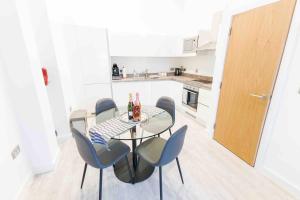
(83, 176)
(129, 169)
(179, 168)
(170, 132)
(160, 184)
(141, 140)
(100, 184)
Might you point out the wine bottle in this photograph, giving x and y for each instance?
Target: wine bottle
(137, 109)
(130, 107)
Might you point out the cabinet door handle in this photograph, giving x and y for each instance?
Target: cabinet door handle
(261, 97)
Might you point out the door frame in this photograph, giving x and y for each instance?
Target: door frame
(280, 81)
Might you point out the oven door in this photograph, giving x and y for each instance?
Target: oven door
(192, 99)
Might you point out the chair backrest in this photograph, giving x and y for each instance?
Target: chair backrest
(104, 105)
(168, 105)
(173, 146)
(86, 149)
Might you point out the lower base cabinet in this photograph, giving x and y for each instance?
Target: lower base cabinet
(121, 92)
(150, 91)
(203, 114)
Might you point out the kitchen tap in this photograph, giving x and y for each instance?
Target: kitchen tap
(146, 73)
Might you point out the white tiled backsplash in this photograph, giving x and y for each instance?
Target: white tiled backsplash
(202, 64)
(140, 64)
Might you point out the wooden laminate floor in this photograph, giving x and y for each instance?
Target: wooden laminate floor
(210, 172)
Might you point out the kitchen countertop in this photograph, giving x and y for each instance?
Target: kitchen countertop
(182, 79)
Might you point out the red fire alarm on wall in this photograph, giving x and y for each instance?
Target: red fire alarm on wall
(45, 75)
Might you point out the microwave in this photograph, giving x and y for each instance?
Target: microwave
(190, 44)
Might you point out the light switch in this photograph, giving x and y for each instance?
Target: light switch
(299, 91)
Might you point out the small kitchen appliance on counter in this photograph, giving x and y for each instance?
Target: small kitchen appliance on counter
(178, 71)
(115, 71)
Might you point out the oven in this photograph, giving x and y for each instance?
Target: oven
(190, 97)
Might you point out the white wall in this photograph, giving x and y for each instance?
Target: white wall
(14, 173)
(202, 64)
(34, 14)
(280, 144)
(27, 92)
(279, 149)
(282, 155)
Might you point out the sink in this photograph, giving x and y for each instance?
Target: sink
(154, 76)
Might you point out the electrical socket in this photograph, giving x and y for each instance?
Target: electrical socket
(15, 152)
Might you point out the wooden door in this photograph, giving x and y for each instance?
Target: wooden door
(256, 45)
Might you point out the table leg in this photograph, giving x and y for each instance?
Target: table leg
(134, 156)
(142, 169)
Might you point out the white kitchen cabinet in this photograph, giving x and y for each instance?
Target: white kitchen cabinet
(121, 92)
(203, 114)
(172, 89)
(150, 91)
(159, 89)
(204, 103)
(204, 97)
(176, 93)
(87, 57)
(136, 45)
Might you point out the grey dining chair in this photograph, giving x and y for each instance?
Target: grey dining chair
(104, 104)
(99, 157)
(159, 152)
(167, 104)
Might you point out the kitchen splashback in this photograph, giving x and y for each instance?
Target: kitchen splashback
(202, 64)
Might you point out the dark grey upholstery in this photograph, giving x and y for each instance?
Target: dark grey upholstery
(104, 105)
(159, 152)
(167, 104)
(173, 146)
(86, 149)
(97, 155)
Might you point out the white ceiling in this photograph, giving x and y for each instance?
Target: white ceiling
(171, 17)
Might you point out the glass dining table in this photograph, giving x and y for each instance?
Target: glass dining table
(154, 121)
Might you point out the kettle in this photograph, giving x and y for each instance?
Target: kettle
(178, 71)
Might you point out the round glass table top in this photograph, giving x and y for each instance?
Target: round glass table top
(154, 121)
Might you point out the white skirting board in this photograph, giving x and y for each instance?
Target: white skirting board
(281, 181)
(47, 168)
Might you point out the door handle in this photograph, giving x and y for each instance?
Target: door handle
(261, 97)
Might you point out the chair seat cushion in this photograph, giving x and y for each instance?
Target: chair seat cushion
(118, 150)
(151, 150)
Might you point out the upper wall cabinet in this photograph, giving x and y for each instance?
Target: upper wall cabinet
(205, 40)
(84, 53)
(122, 44)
